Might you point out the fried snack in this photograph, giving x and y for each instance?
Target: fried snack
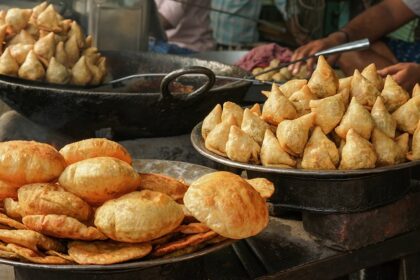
(24, 37)
(76, 31)
(383, 119)
(357, 118)
(241, 147)
(357, 153)
(301, 99)
(393, 94)
(323, 81)
(30, 239)
(81, 75)
(227, 204)
(139, 216)
(8, 64)
(8, 255)
(263, 186)
(344, 83)
(3, 30)
(31, 69)
(256, 109)
(363, 90)
(408, 115)
(386, 149)
(12, 208)
(19, 52)
(48, 20)
(320, 152)
(292, 86)
(4, 220)
(272, 154)
(212, 119)
(217, 138)
(57, 73)
(254, 126)
(192, 228)
(277, 107)
(106, 252)
(25, 162)
(164, 184)
(415, 145)
(234, 110)
(328, 111)
(99, 179)
(94, 147)
(61, 55)
(34, 256)
(185, 242)
(61, 255)
(62, 226)
(43, 199)
(18, 18)
(371, 74)
(44, 48)
(8, 190)
(293, 134)
(416, 90)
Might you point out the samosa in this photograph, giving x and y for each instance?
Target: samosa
(218, 136)
(301, 99)
(324, 81)
(383, 119)
(18, 18)
(241, 147)
(8, 64)
(254, 126)
(415, 145)
(371, 74)
(81, 74)
(57, 73)
(211, 120)
(408, 115)
(49, 20)
(393, 94)
(363, 90)
(386, 149)
(234, 110)
(329, 111)
(45, 48)
(292, 86)
(32, 68)
(277, 108)
(20, 51)
(357, 152)
(272, 153)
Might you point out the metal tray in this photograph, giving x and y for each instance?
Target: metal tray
(328, 191)
(189, 172)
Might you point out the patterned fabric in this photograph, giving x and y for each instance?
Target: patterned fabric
(405, 51)
(233, 30)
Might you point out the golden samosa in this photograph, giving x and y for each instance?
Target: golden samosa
(241, 147)
(386, 149)
(44, 48)
(48, 20)
(358, 118)
(72, 50)
(393, 94)
(277, 108)
(301, 99)
(363, 90)
(274, 87)
(292, 86)
(320, 152)
(416, 91)
(408, 115)
(76, 30)
(61, 55)
(23, 37)
(323, 81)
(254, 126)
(402, 142)
(20, 51)
(96, 73)
(81, 74)
(218, 136)
(344, 83)
(234, 110)
(328, 111)
(32, 68)
(383, 119)
(211, 120)
(18, 18)
(272, 153)
(37, 10)
(371, 74)
(57, 73)
(293, 134)
(102, 64)
(8, 64)
(357, 152)
(415, 145)
(256, 109)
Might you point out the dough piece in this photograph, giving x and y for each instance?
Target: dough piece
(164, 184)
(416, 90)
(357, 153)
(61, 55)
(8, 64)
(57, 73)
(44, 48)
(293, 134)
(18, 18)
(35, 256)
(254, 126)
(394, 96)
(20, 51)
(106, 252)
(43, 199)
(23, 37)
(227, 204)
(211, 120)
(408, 115)
(263, 186)
(277, 108)
(386, 149)
(344, 83)
(217, 138)
(371, 74)
(94, 147)
(12, 208)
(26, 162)
(324, 81)
(292, 86)
(328, 111)
(358, 118)
(81, 74)
(301, 99)
(363, 90)
(30, 239)
(62, 226)
(272, 154)
(241, 147)
(8, 189)
(320, 152)
(382, 119)
(72, 50)
(32, 68)
(139, 216)
(256, 109)
(48, 20)
(234, 110)
(415, 145)
(99, 179)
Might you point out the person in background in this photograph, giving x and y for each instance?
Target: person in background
(187, 26)
(232, 32)
(374, 23)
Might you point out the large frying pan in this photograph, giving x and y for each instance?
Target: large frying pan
(138, 109)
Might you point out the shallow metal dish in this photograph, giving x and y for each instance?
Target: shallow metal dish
(324, 190)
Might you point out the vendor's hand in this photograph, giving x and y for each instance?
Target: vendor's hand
(332, 40)
(405, 74)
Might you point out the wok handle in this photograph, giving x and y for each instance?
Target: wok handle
(168, 79)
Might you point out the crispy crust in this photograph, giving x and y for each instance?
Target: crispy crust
(8, 190)
(12, 208)
(30, 239)
(163, 184)
(36, 257)
(4, 220)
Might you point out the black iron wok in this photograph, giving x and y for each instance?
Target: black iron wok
(136, 109)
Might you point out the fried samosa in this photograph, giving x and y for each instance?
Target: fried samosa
(81, 74)
(371, 74)
(363, 90)
(18, 18)
(8, 64)
(45, 47)
(415, 145)
(408, 115)
(57, 73)
(23, 37)
(301, 99)
(292, 86)
(293, 134)
(256, 109)
(218, 136)
(357, 152)
(416, 91)
(254, 126)
(61, 55)
(96, 73)
(393, 94)
(403, 145)
(32, 68)
(48, 20)
(320, 152)
(328, 111)
(323, 81)
(212, 119)
(72, 50)
(386, 149)
(234, 110)
(272, 153)
(37, 10)
(242, 147)
(383, 119)
(76, 30)
(20, 51)
(277, 108)
(358, 118)
(344, 83)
